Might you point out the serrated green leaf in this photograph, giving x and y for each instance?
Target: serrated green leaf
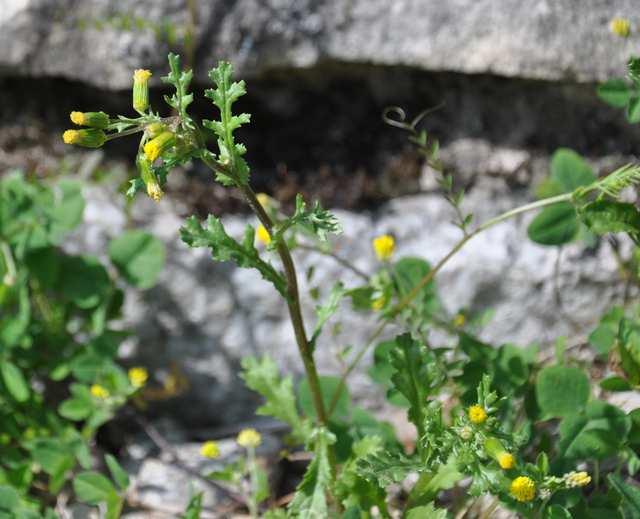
(225, 248)
(139, 257)
(605, 216)
(310, 500)
(263, 376)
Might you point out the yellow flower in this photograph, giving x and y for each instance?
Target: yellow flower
(264, 200)
(249, 438)
(477, 414)
(138, 377)
(523, 489)
(210, 450)
(89, 138)
(577, 479)
(93, 119)
(384, 246)
(156, 146)
(141, 89)
(506, 460)
(99, 392)
(378, 303)
(263, 235)
(459, 320)
(620, 27)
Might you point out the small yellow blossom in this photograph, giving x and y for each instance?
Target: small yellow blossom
(523, 488)
(89, 138)
(384, 246)
(506, 460)
(92, 119)
(99, 392)
(477, 414)
(620, 27)
(141, 89)
(459, 320)
(263, 235)
(378, 303)
(264, 200)
(249, 438)
(577, 479)
(210, 449)
(156, 146)
(138, 377)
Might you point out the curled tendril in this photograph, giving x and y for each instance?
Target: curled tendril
(396, 117)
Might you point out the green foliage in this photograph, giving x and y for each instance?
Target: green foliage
(555, 225)
(139, 257)
(561, 391)
(225, 248)
(262, 376)
(310, 501)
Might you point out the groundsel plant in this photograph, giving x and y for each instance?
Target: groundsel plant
(505, 407)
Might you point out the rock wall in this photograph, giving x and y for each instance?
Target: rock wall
(100, 42)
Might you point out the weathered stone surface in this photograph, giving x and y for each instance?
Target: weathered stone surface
(204, 317)
(101, 42)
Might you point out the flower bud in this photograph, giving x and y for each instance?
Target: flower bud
(155, 129)
(156, 146)
(91, 138)
(91, 119)
(141, 89)
(149, 178)
(496, 450)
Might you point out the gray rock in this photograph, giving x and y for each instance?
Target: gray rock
(101, 42)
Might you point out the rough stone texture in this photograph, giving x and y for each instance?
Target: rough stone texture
(204, 317)
(88, 40)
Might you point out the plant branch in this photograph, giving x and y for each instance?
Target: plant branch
(427, 278)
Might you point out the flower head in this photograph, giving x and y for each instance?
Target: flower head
(459, 320)
(138, 377)
(141, 89)
(263, 235)
(384, 245)
(89, 138)
(577, 479)
(158, 145)
(378, 303)
(506, 460)
(92, 119)
(249, 438)
(210, 449)
(523, 488)
(99, 391)
(477, 414)
(264, 200)
(620, 27)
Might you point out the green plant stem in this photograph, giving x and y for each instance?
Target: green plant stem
(293, 303)
(253, 478)
(428, 277)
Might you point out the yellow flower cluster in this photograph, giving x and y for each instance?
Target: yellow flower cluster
(263, 235)
(384, 246)
(506, 460)
(99, 391)
(138, 377)
(141, 89)
(477, 414)
(158, 145)
(523, 488)
(249, 438)
(620, 27)
(210, 449)
(577, 479)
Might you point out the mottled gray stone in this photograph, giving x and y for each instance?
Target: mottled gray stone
(84, 39)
